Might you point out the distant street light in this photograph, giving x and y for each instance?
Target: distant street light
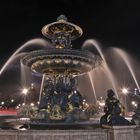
(125, 92)
(2, 103)
(134, 103)
(12, 100)
(25, 91)
(32, 104)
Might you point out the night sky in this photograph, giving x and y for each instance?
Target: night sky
(111, 22)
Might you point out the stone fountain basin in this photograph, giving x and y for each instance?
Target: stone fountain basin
(60, 61)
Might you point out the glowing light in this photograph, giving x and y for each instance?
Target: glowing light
(84, 100)
(23, 104)
(38, 102)
(134, 103)
(125, 90)
(12, 100)
(17, 107)
(25, 91)
(32, 104)
(87, 105)
(32, 84)
(75, 91)
(2, 103)
(135, 89)
(102, 103)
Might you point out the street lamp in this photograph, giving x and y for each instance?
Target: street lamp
(24, 92)
(32, 104)
(12, 100)
(2, 103)
(134, 103)
(125, 92)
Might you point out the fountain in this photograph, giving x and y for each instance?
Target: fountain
(59, 99)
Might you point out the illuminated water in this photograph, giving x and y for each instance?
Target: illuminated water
(95, 44)
(41, 86)
(39, 42)
(100, 79)
(125, 58)
(92, 84)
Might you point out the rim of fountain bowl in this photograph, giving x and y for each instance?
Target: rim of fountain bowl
(30, 57)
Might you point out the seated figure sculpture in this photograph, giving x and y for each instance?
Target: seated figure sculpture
(60, 100)
(113, 111)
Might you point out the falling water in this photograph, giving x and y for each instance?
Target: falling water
(126, 60)
(41, 87)
(27, 44)
(92, 84)
(25, 75)
(97, 46)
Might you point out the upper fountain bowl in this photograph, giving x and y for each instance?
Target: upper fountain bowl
(62, 26)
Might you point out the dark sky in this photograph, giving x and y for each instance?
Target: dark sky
(112, 22)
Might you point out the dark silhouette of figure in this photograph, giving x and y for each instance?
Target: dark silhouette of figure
(113, 111)
(111, 101)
